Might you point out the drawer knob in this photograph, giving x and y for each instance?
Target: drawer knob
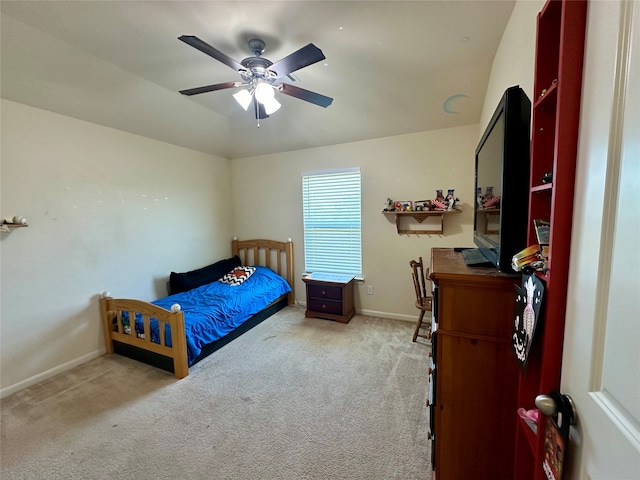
(323, 293)
(324, 307)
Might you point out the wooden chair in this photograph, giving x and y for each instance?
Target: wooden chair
(423, 298)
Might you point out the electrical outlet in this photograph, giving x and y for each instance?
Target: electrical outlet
(369, 289)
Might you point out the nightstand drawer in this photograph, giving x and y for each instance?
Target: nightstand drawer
(325, 291)
(325, 306)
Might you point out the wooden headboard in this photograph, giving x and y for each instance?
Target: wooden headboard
(278, 256)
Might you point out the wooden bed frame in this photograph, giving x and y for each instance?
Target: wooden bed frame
(278, 256)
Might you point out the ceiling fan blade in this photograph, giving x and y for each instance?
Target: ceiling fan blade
(204, 47)
(302, 94)
(300, 58)
(259, 109)
(210, 88)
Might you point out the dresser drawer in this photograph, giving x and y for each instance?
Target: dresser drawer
(325, 306)
(325, 291)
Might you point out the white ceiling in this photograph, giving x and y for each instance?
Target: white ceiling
(390, 67)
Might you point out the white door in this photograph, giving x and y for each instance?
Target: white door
(601, 365)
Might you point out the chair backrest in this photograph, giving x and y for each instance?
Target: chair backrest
(420, 280)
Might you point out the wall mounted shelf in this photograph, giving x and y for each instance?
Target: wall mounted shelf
(420, 217)
(6, 227)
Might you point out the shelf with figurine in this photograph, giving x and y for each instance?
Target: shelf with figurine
(14, 222)
(420, 210)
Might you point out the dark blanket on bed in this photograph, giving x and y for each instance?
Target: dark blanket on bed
(213, 310)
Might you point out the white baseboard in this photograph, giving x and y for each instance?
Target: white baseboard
(375, 313)
(5, 392)
(392, 316)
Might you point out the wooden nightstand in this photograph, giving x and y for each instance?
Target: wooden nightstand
(330, 296)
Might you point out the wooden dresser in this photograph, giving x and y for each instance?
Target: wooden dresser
(474, 372)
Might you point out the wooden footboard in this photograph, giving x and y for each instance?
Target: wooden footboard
(112, 309)
(278, 256)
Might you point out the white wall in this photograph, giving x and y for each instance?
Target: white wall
(405, 167)
(514, 61)
(107, 210)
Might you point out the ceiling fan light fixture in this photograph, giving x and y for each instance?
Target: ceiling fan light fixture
(264, 93)
(261, 76)
(271, 106)
(243, 97)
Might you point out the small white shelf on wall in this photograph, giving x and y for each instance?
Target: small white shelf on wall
(6, 227)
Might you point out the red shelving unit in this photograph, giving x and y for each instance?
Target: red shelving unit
(554, 139)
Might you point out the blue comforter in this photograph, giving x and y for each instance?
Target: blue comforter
(215, 309)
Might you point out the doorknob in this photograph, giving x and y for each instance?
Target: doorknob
(557, 404)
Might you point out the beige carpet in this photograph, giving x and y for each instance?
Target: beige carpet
(294, 398)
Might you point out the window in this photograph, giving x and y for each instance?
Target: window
(332, 226)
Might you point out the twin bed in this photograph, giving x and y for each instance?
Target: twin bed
(206, 309)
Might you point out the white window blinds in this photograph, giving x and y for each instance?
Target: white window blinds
(332, 225)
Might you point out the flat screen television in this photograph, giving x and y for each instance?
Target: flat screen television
(502, 181)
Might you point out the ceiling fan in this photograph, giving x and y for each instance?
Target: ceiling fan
(261, 76)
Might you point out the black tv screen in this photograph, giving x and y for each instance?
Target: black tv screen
(502, 181)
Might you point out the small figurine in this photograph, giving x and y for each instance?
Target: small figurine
(388, 206)
(451, 200)
(488, 194)
(489, 200)
(439, 204)
(450, 196)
